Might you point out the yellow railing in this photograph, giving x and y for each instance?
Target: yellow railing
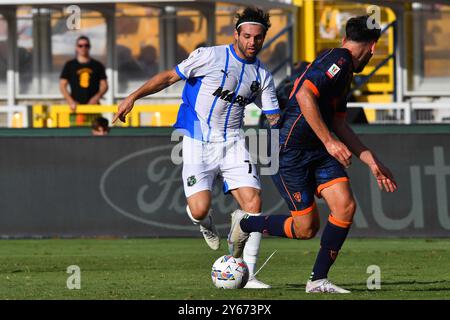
(154, 115)
(59, 116)
(39, 113)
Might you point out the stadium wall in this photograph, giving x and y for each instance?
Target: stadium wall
(127, 186)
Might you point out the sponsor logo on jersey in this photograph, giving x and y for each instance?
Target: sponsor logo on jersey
(334, 69)
(228, 96)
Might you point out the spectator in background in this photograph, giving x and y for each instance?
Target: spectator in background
(85, 76)
(180, 53)
(284, 89)
(277, 56)
(201, 45)
(148, 60)
(25, 57)
(128, 67)
(100, 127)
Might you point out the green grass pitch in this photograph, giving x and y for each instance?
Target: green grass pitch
(180, 269)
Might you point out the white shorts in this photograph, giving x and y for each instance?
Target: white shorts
(203, 162)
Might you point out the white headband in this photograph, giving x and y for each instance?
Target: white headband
(250, 22)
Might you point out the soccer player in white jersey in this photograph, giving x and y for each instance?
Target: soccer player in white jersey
(220, 82)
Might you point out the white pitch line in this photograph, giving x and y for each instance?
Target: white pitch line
(265, 262)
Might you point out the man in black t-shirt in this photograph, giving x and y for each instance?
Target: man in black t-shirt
(85, 76)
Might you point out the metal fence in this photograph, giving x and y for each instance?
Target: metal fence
(14, 116)
(57, 116)
(406, 112)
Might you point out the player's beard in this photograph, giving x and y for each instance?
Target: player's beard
(363, 63)
(244, 51)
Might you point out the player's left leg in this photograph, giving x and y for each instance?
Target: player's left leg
(249, 201)
(333, 185)
(338, 195)
(241, 179)
(200, 212)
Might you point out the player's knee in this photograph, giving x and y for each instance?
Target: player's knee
(348, 210)
(199, 211)
(252, 204)
(306, 232)
(309, 233)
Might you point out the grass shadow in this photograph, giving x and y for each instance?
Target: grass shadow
(356, 286)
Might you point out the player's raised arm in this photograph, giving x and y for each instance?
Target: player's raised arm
(157, 83)
(306, 98)
(197, 64)
(385, 178)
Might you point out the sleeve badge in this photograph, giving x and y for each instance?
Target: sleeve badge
(334, 69)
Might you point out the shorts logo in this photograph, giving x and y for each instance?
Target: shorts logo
(191, 181)
(334, 69)
(297, 196)
(255, 86)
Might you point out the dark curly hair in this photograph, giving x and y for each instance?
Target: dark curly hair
(100, 122)
(357, 30)
(253, 14)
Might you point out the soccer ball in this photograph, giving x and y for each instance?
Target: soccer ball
(229, 272)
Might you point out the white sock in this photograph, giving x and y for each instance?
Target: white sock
(251, 252)
(205, 222)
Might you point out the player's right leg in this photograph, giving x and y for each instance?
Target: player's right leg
(250, 204)
(199, 173)
(241, 179)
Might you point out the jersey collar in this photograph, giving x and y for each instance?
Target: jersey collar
(240, 59)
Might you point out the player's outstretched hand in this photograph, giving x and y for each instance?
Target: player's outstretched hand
(124, 108)
(339, 151)
(385, 178)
